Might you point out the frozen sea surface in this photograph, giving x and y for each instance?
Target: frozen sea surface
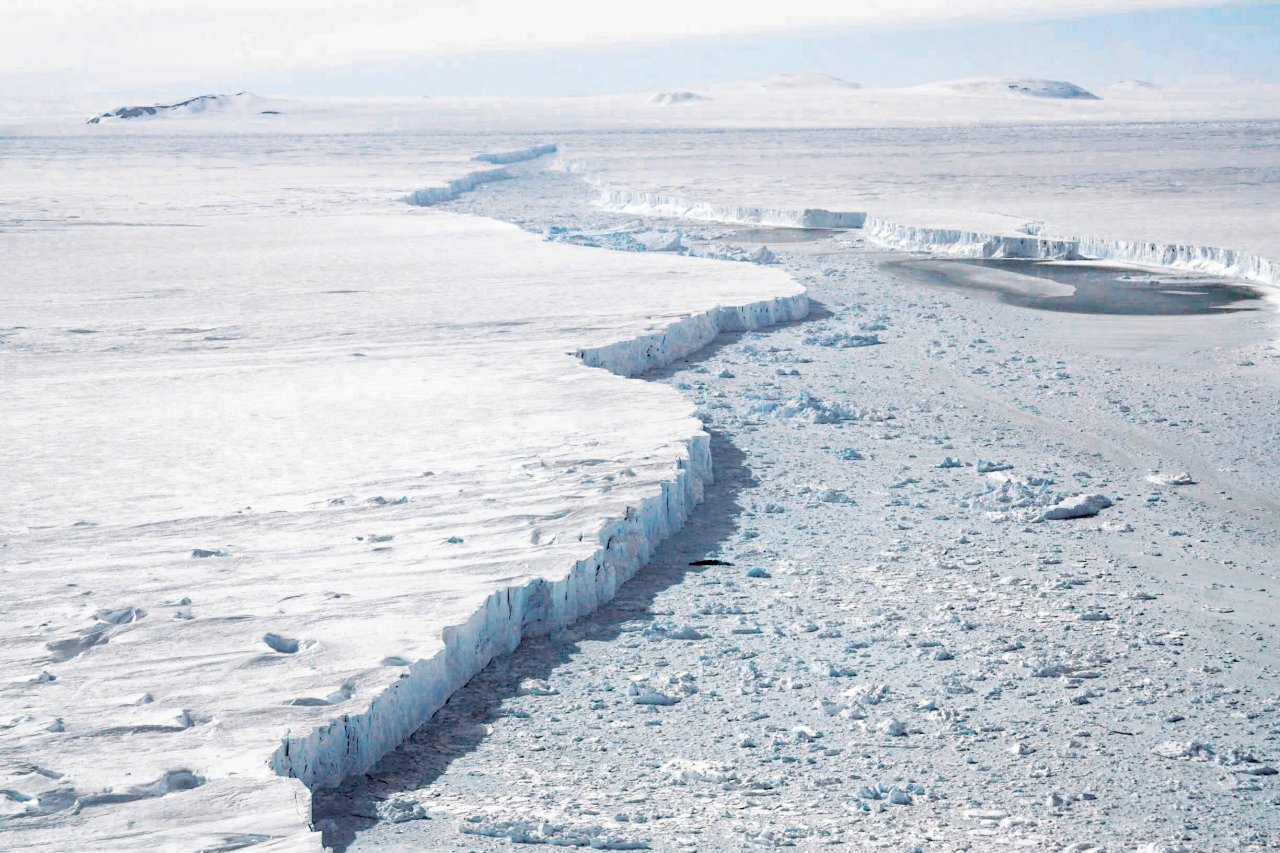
(1082, 287)
(287, 459)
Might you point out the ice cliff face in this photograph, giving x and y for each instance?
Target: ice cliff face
(967, 243)
(656, 204)
(1215, 260)
(353, 744)
(520, 156)
(1230, 263)
(508, 168)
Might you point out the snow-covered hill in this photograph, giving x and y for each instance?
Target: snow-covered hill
(808, 80)
(239, 104)
(670, 98)
(1022, 86)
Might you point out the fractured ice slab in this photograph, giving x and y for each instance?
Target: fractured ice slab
(277, 485)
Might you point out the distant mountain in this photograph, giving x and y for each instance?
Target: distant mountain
(676, 97)
(1021, 87)
(241, 103)
(1132, 86)
(808, 80)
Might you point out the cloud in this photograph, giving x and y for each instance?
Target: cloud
(124, 42)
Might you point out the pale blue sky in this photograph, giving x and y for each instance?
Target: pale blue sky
(1195, 45)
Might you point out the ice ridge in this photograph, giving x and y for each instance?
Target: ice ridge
(354, 743)
(502, 157)
(1232, 263)
(655, 204)
(967, 243)
(1028, 241)
(456, 187)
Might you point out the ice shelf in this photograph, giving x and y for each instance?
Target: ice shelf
(281, 483)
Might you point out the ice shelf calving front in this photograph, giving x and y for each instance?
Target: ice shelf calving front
(279, 484)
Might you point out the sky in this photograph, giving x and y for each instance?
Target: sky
(156, 49)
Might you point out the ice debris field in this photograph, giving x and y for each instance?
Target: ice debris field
(299, 436)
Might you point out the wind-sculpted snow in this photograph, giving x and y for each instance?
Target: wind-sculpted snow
(275, 495)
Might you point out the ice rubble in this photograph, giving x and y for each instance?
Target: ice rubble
(214, 633)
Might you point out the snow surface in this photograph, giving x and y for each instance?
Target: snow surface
(277, 484)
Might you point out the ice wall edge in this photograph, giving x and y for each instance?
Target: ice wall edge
(1030, 243)
(508, 163)
(353, 743)
(1231, 263)
(500, 157)
(656, 204)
